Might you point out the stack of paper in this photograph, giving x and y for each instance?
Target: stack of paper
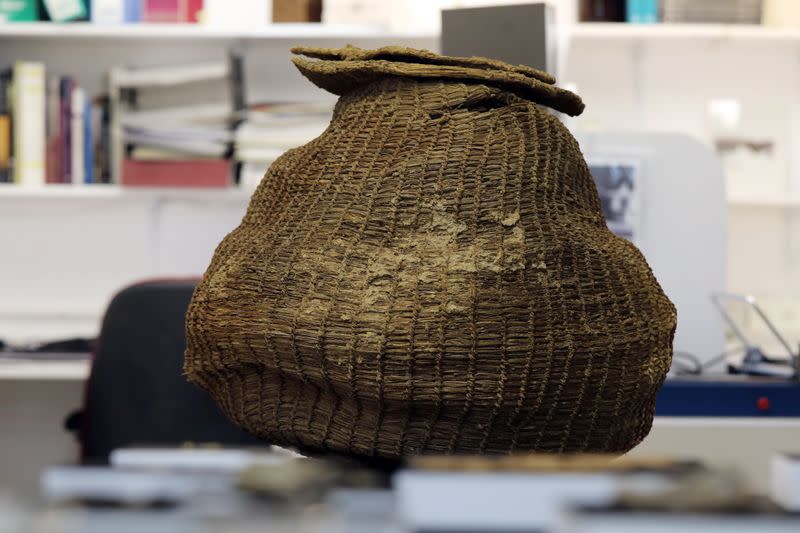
(269, 130)
(519, 493)
(169, 132)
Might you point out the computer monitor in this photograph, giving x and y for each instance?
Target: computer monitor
(666, 193)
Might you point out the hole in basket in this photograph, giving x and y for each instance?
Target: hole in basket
(483, 105)
(435, 115)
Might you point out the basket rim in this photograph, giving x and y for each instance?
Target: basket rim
(341, 70)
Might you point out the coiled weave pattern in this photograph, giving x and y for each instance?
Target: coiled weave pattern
(433, 274)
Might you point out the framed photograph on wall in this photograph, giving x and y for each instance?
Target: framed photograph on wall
(619, 186)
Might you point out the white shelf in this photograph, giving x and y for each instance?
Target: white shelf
(19, 370)
(67, 192)
(233, 194)
(283, 31)
(588, 31)
(787, 201)
(59, 191)
(599, 31)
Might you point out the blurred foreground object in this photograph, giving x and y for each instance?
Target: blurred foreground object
(307, 479)
(203, 490)
(699, 501)
(785, 489)
(522, 493)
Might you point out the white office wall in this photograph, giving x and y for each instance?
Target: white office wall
(667, 85)
(64, 257)
(56, 263)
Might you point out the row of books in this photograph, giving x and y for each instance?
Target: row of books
(50, 130)
(218, 12)
(102, 11)
(774, 13)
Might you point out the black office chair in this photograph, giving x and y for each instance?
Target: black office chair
(137, 393)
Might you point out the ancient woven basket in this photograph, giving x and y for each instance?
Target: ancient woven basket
(432, 274)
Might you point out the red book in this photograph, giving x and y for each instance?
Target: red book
(172, 10)
(193, 8)
(64, 149)
(53, 160)
(193, 173)
(164, 10)
(54, 133)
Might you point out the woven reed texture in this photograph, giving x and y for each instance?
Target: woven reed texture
(433, 274)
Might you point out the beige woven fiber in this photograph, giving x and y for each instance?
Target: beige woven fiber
(433, 274)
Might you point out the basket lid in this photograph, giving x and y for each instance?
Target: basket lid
(339, 70)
